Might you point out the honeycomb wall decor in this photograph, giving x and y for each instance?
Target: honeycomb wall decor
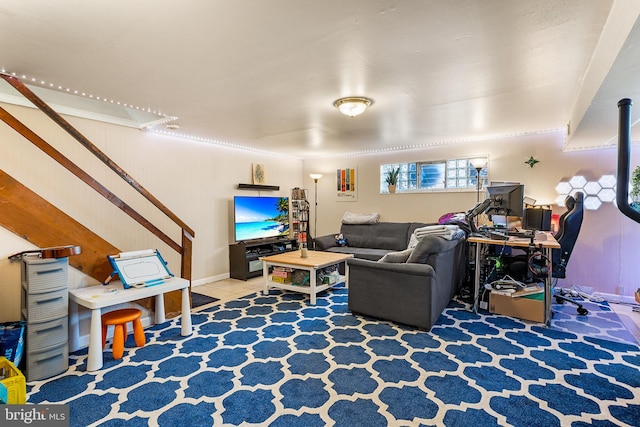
(595, 192)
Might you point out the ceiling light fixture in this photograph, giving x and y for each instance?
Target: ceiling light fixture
(352, 105)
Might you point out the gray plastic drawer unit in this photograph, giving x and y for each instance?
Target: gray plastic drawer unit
(45, 308)
(46, 334)
(48, 362)
(46, 274)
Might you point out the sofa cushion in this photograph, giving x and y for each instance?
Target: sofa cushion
(391, 236)
(396, 257)
(353, 218)
(363, 253)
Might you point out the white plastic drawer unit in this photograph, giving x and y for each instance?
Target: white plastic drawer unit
(47, 306)
(44, 275)
(46, 334)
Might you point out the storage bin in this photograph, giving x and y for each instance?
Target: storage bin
(47, 306)
(46, 334)
(13, 389)
(46, 363)
(45, 275)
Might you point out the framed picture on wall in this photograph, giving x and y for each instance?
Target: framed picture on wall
(258, 173)
(346, 188)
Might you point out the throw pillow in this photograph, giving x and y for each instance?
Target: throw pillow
(396, 257)
(353, 218)
(422, 251)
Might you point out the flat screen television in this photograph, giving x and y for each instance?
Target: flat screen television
(256, 218)
(506, 199)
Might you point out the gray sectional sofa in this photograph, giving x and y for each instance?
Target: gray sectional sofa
(389, 281)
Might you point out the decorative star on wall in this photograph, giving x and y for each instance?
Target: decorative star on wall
(532, 161)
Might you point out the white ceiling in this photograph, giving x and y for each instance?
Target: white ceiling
(264, 74)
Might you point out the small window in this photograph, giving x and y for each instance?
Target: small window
(441, 175)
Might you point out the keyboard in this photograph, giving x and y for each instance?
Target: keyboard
(522, 233)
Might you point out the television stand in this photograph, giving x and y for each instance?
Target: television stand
(244, 257)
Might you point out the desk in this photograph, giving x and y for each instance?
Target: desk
(546, 246)
(98, 297)
(312, 263)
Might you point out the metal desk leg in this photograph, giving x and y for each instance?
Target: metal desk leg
(548, 291)
(476, 281)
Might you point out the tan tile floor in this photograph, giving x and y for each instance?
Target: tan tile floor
(230, 289)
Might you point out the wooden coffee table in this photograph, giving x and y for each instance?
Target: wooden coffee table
(312, 263)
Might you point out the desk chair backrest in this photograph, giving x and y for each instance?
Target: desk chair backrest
(568, 230)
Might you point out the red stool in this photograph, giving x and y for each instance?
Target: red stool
(119, 319)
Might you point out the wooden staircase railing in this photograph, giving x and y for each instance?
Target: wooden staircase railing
(184, 248)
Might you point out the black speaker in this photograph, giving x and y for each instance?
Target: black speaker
(537, 219)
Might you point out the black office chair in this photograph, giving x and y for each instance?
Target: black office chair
(568, 230)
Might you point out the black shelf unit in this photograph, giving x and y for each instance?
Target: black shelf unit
(258, 187)
(244, 257)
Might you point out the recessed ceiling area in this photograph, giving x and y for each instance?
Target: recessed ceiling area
(265, 75)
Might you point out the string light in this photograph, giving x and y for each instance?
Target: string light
(445, 142)
(153, 129)
(61, 88)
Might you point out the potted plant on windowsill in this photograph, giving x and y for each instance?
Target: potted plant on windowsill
(635, 189)
(392, 179)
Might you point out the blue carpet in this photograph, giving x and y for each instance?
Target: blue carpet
(275, 360)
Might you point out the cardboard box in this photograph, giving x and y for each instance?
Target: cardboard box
(530, 307)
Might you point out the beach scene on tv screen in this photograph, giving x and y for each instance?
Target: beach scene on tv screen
(260, 217)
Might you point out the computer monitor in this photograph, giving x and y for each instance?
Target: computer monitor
(506, 199)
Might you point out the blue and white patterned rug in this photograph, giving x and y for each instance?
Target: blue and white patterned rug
(275, 360)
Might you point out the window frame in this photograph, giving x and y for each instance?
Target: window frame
(455, 170)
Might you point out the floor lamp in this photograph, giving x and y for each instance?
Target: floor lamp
(478, 164)
(315, 177)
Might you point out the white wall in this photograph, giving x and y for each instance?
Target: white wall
(606, 253)
(197, 181)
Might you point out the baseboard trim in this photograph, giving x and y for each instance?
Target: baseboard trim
(626, 299)
(209, 279)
